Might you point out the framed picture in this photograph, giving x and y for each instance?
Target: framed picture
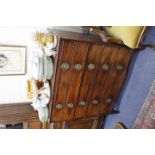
(12, 60)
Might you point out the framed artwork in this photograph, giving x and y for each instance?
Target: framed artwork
(12, 60)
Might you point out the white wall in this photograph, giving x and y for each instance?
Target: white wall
(13, 88)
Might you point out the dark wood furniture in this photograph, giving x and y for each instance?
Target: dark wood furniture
(88, 77)
(20, 113)
(17, 113)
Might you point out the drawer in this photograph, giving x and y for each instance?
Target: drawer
(106, 62)
(89, 123)
(65, 55)
(115, 81)
(89, 75)
(74, 79)
(69, 71)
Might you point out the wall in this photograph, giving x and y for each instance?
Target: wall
(13, 88)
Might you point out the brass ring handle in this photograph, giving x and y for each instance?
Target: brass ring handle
(78, 67)
(108, 100)
(65, 66)
(91, 67)
(59, 106)
(70, 105)
(95, 102)
(120, 67)
(82, 103)
(105, 67)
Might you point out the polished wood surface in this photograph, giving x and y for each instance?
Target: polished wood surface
(17, 113)
(88, 79)
(85, 37)
(89, 123)
(90, 90)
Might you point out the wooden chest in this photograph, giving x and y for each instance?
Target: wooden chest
(88, 77)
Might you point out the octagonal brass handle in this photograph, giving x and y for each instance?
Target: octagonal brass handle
(59, 106)
(82, 103)
(105, 67)
(70, 105)
(78, 67)
(91, 67)
(108, 100)
(65, 66)
(95, 102)
(120, 67)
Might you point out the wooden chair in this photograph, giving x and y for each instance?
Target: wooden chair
(101, 31)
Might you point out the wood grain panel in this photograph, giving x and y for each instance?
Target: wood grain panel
(17, 113)
(74, 78)
(88, 79)
(82, 37)
(67, 54)
(89, 123)
(115, 80)
(108, 57)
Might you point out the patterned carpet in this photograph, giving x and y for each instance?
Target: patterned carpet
(146, 118)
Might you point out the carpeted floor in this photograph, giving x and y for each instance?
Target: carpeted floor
(146, 117)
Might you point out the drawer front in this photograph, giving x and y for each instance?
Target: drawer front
(74, 81)
(89, 75)
(80, 125)
(115, 81)
(84, 124)
(71, 61)
(105, 64)
(65, 55)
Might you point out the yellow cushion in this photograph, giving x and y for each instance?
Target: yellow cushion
(130, 35)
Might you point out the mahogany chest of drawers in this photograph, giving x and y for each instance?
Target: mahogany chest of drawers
(88, 77)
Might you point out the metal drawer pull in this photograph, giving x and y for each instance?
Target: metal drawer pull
(95, 102)
(70, 105)
(82, 103)
(105, 67)
(78, 66)
(91, 66)
(120, 67)
(64, 66)
(59, 106)
(108, 100)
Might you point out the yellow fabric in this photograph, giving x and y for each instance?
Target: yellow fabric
(130, 35)
(29, 90)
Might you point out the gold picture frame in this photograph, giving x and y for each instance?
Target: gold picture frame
(12, 60)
